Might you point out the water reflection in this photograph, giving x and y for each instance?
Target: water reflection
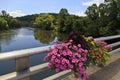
(44, 36)
(47, 37)
(6, 37)
(62, 36)
(23, 38)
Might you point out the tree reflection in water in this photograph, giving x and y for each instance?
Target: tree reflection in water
(45, 36)
(6, 37)
(62, 36)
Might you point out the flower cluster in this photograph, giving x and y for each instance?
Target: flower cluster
(77, 54)
(66, 56)
(99, 51)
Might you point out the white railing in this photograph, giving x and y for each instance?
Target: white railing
(23, 70)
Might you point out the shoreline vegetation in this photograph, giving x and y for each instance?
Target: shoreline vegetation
(102, 20)
(7, 22)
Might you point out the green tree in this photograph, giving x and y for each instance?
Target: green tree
(113, 7)
(14, 23)
(62, 17)
(78, 24)
(92, 12)
(44, 21)
(3, 24)
(93, 17)
(68, 25)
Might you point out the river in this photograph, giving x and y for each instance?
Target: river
(23, 38)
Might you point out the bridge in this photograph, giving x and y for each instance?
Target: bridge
(23, 70)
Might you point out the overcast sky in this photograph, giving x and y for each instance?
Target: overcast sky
(24, 7)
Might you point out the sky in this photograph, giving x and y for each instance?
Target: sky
(17, 8)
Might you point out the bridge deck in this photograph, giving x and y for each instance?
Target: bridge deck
(111, 71)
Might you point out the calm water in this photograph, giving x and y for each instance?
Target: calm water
(24, 38)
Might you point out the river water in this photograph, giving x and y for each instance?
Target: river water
(24, 38)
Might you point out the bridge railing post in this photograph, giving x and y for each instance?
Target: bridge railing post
(22, 65)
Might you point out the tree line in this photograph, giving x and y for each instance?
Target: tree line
(102, 20)
(7, 21)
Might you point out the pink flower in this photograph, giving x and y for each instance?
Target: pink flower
(79, 45)
(78, 75)
(57, 65)
(57, 70)
(84, 59)
(58, 55)
(49, 65)
(63, 67)
(63, 61)
(57, 60)
(59, 47)
(80, 64)
(80, 50)
(70, 66)
(75, 60)
(71, 41)
(85, 51)
(75, 48)
(53, 56)
(64, 53)
(108, 47)
(101, 43)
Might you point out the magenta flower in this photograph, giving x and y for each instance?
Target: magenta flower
(57, 70)
(65, 56)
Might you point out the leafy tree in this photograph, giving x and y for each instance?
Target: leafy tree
(68, 25)
(43, 21)
(114, 14)
(78, 25)
(9, 20)
(14, 23)
(62, 16)
(105, 18)
(93, 17)
(92, 12)
(3, 24)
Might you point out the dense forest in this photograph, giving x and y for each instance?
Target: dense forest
(102, 20)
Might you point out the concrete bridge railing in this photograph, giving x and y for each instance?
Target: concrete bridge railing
(24, 71)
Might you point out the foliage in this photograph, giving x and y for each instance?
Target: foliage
(78, 38)
(44, 21)
(14, 23)
(92, 12)
(7, 21)
(3, 24)
(105, 18)
(61, 19)
(98, 51)
(27, 20)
